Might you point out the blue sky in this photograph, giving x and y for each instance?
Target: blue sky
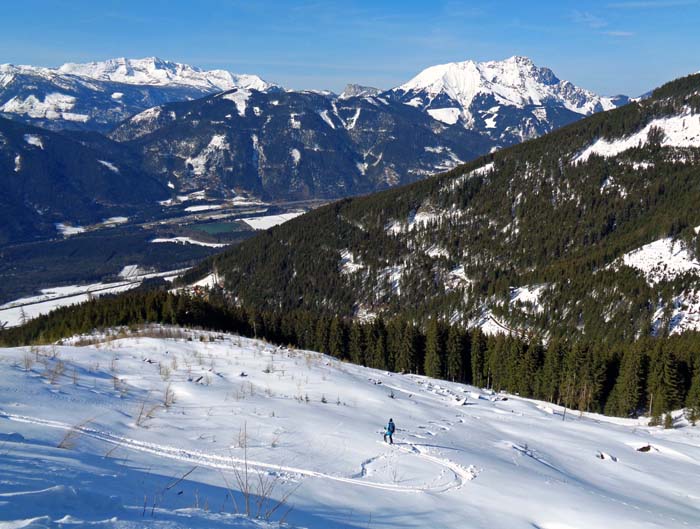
(619, 46)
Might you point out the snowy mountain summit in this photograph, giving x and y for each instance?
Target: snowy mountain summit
(509, 100)
(158, 72)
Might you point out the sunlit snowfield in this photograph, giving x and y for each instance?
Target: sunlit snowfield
(136, 414)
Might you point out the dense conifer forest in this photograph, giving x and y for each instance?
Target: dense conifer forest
(651, 376)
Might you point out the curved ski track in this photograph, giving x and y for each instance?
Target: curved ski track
(199, 458)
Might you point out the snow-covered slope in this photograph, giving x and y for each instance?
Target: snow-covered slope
(681, 130)
(507, 99)
(662, 260)
(155, 427)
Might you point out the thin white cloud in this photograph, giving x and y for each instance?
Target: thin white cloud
(588, 19)
(618, 33)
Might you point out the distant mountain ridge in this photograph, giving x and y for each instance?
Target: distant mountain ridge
(98, 95)
(225, 133)
(158, 72)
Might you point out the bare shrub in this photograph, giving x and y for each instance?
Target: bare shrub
(146, 411)
(73, 434)
(53, 371)
(27, 361)
(258, 501)
(168, 396)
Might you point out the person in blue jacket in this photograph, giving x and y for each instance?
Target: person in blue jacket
(389, 432)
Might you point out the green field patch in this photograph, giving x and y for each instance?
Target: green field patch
(216, 228)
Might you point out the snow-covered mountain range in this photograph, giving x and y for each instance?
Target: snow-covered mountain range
(507, 101)
(510, 100)
(219, 131)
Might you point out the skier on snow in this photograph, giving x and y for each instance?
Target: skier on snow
(389, 432)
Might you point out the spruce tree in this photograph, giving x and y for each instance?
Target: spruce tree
(478, 358)
(336, 338)
(406, 357)
(356, 345)
(664, 383)
(433, 350)
(455, 354)
(626, 397)
(692, 401)
(550, 375)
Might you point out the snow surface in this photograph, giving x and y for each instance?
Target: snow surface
(459, 180)
(348, 263)
(188, 240)
(54, 106)
(113, 221)
(446, 115)
(268, 221)
(203, 207)
(529, 296)
(679, 131)
(240, 99)
(464, 457)
(217, 146)
(68, 229)
(684, 314)
(662, 260)
(325, 117)
(26, 308)
(110, 166)
(34, 140)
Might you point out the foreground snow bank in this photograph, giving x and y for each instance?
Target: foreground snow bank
(171, 419)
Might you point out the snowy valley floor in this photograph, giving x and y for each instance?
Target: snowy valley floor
(156, 432)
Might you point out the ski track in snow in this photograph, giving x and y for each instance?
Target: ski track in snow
(200, 458)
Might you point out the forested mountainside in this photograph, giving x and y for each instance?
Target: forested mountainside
(49, 179)
(592, 229)
(282, 145)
